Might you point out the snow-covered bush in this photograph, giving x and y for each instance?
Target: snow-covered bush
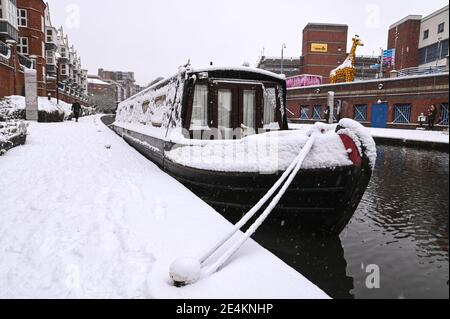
(13, 107)
(12, 133)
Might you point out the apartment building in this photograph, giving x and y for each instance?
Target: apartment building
(28, 39)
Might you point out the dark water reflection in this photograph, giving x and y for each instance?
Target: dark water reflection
(401, 226)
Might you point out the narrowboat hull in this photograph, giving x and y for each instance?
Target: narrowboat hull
(318, 201)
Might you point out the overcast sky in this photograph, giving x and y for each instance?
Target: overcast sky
(152, 37)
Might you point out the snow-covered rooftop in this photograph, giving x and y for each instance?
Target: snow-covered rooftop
(239, 68)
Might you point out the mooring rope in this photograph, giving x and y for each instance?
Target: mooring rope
(290, 174)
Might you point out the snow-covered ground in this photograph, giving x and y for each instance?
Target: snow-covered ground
(85, 216)
(399, 134)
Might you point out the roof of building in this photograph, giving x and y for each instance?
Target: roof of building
(409, 17)
(319, 24)
(437, 12)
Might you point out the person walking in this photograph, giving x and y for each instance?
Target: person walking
(432, 112)
(76, 109)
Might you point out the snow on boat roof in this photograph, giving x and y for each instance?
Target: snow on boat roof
(97, 81)
(240, 69)
(209, 69)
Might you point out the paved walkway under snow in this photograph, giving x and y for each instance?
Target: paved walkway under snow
(82, 220)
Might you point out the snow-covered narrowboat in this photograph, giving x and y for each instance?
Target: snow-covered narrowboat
(223, 133)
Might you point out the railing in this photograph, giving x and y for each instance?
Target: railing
(5, 51)
(423, 70)
(25, 62)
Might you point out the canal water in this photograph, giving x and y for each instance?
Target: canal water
(399, 230)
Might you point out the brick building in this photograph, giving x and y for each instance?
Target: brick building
(388, 102)
(124, 83)
(324, 47)
(102, 95)
(29, 40)
(420, 41)
(403, 36)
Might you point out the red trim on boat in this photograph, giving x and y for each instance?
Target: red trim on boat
(349, 144)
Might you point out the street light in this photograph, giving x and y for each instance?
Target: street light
(57, 56)
(282, 56)
(439, 51)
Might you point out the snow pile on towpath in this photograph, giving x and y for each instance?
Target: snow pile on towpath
(88, 217)
(11, 104)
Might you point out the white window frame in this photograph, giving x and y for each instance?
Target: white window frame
(63, 69)
(22, 44)
(49, 37)
(21, 19)
(49, 57)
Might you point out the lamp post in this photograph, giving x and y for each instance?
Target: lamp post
(57, 56)
(439, 51)
(282, 56)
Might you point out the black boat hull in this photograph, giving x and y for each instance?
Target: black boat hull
(319, 200)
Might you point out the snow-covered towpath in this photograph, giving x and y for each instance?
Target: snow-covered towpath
(82, 215)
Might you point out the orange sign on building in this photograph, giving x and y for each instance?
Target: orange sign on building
(319, 47)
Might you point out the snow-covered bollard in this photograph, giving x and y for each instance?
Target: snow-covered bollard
(185, 271)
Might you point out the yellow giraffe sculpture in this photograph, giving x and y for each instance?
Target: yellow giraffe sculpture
(347, 70)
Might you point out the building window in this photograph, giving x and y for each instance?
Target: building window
(22, 17)
(64, 69)
(304, 112)
(50, 57)
(317, 112)
(426, 34)
(49, 36)
(22, 45)
(441, 27)
(444, 114)
(360, 113)
(402, 113)
(431, 53)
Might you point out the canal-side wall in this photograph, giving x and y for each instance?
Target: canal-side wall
(414, 93)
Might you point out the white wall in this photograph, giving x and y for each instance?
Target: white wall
(431, 23)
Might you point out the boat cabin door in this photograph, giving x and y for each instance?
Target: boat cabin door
(237, 108)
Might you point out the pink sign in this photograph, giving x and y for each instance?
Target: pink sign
(303, 80)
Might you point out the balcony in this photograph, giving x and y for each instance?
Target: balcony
(423, 70)
(25, 62)
(8, 31)
(51, 69)
(5, 51)
(50, 39)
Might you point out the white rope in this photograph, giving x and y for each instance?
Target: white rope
(290, 174)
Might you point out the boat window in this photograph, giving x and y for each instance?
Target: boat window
(225, 102)
(270, 104)
(249, 109)
(160, 101)
(145, 106)
(199, 118)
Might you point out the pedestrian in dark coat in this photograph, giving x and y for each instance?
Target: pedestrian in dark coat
(432, 113)
(76, 109)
